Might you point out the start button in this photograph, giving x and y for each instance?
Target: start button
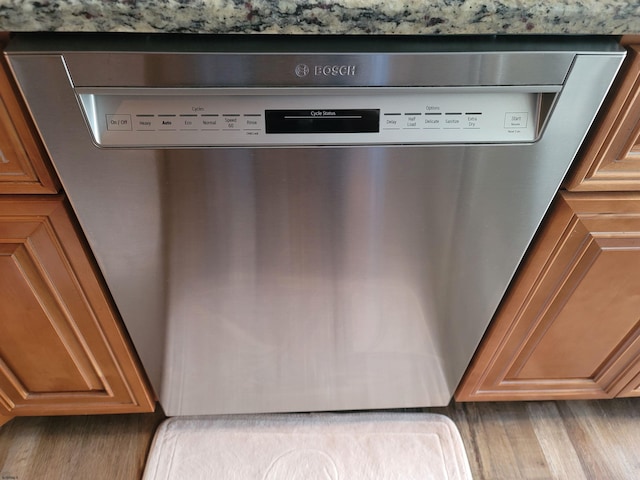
(516, 119)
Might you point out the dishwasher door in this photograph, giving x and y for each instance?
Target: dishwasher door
(322, 224)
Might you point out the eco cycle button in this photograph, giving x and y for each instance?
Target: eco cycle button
(119, 122)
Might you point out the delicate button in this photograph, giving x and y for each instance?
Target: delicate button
(432, 120)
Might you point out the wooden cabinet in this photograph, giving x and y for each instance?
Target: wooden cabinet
(633, 389)
(23, 165)
(62, 350)
(569, 325)
(611, 159)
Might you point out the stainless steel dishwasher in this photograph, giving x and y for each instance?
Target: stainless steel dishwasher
(309, 223)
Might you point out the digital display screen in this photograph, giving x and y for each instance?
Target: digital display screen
(322, 121)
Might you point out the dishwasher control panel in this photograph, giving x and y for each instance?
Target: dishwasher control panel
(184, 118)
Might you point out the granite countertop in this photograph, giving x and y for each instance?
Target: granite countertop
(324, 16)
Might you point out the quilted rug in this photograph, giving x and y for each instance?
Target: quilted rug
(341, 446)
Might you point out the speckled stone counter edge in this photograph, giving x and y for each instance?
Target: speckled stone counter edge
(324, 16)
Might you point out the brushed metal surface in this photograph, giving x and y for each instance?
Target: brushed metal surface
(250, 61)
(275, 70)
(308, 287)
(296, 279)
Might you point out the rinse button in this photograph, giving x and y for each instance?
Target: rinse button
(252, 122)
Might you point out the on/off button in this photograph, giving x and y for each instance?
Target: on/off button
(119, 122)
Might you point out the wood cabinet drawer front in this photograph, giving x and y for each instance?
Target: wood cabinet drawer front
(610, 160)
(61, 348)
(24, 167)
(570, 325)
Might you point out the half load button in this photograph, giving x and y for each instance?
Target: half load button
(411, 120)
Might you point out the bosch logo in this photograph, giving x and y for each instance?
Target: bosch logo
(335, 70)
(302, 70)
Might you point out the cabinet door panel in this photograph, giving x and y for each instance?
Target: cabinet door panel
(24, 165)
(632, 389)
(62, 349)
(610, 160)
(589, 313)
(37, 322)
(569, 326)
(3, 419)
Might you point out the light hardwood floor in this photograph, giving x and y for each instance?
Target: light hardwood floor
(104, 447)
(504, 441)
(571, 440)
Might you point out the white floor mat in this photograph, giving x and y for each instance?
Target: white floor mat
(346, 446)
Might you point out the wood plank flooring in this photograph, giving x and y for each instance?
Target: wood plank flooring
(504, 441)
(570, 440)
(100, 447)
